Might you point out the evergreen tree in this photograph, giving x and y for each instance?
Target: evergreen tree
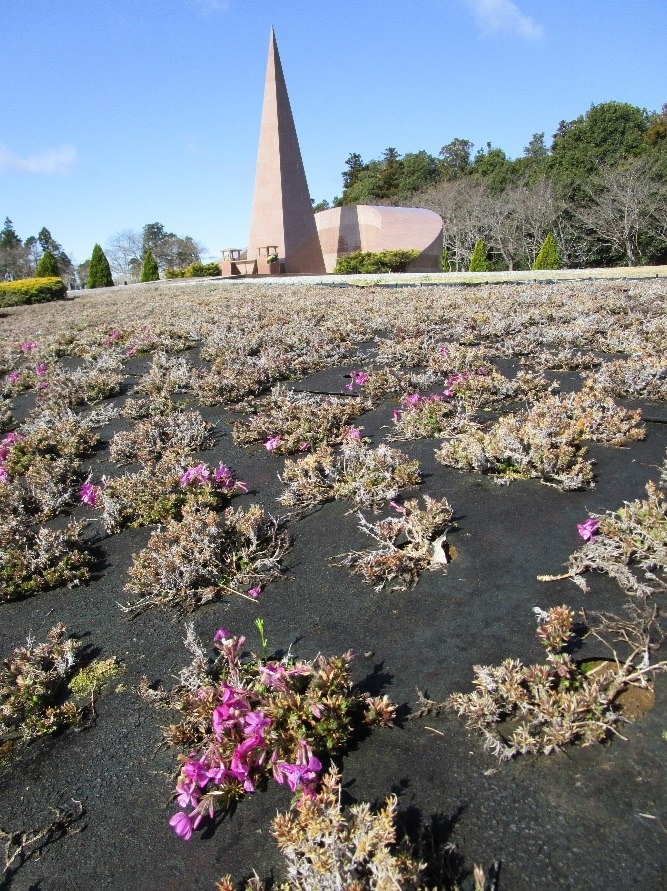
(149, 271)
(478, 261)
(47, 266)
(548, 257)
(446, 265)
(99, 273)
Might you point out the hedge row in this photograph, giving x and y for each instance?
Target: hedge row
(31, 290)
(195, 270)
(366, 261)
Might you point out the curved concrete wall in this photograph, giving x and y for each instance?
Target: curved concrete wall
(363, 227)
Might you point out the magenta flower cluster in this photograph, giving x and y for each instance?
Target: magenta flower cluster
(588, 528)
(221, 477)
(8, 440)
(238, 752)
(358, 379)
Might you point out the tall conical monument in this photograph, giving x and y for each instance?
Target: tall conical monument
(282, 214)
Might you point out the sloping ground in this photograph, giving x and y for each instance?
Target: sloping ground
(590, 818)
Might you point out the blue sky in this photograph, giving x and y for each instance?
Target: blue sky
(135, 111)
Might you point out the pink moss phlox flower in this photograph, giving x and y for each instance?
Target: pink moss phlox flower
(274, 676)
(131, 350)
(112, 337)
(28, 346)
(398, 507)
(589, 528)
(254, 592)
(358, 378)
(304, 446)
(41, 369)
(316, 710)
(13, 377)
(7, 441)
(230, 647)
(273, 442)
(188, 795)
(195, 771)
(302, 774)
(184, 824)
(443, 349)
(231, 710)
(410, 400)
(88, 494)
(255, 723)
(396, 415)
(448, 392)
(351, 434)
(3, 475)
(222, 634)
(223, 478)
(197, 475)
(483, 372)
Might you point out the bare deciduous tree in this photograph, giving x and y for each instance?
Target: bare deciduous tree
(626, 206)
(123, 251)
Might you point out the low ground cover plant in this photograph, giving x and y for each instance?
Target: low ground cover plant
(289, 422)
(160, 491)
(629, 545)
(633, 378)
(33, 687)
(540, 708)
(326, 848)
(206, 555)
(408, 543)
(367, 477)
(150, 439)
(36, 558)
(245, 718)
(545, 441)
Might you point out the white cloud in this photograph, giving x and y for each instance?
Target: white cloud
(504, 16)
(48, 162)
(208, 7)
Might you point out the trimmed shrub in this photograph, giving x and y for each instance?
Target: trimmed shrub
(47, 266)
(32, 290)
(368, 262)
(195, 270)
(99, 273)
(149, 271)
(548, 256)
(446, 265)
(478, 261)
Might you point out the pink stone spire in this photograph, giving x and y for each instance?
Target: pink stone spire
(282, 212)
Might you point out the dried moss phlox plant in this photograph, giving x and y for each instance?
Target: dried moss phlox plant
(33, 685)
(328, 849)
(410, 542)
(545, 440)
(246, 718)
(35, 558)
(206, 555)
(289, 422)
(366, 477)
(622, 542)
(540, 708)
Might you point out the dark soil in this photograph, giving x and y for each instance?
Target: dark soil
(593, 818)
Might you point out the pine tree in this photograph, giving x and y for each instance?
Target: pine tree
(478, 262)
(446, 265)
(47, 266)
(548, 256)
(99, 273)
(149, 271)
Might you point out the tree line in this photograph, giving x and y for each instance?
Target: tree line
(129, 255)
(600, 188)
